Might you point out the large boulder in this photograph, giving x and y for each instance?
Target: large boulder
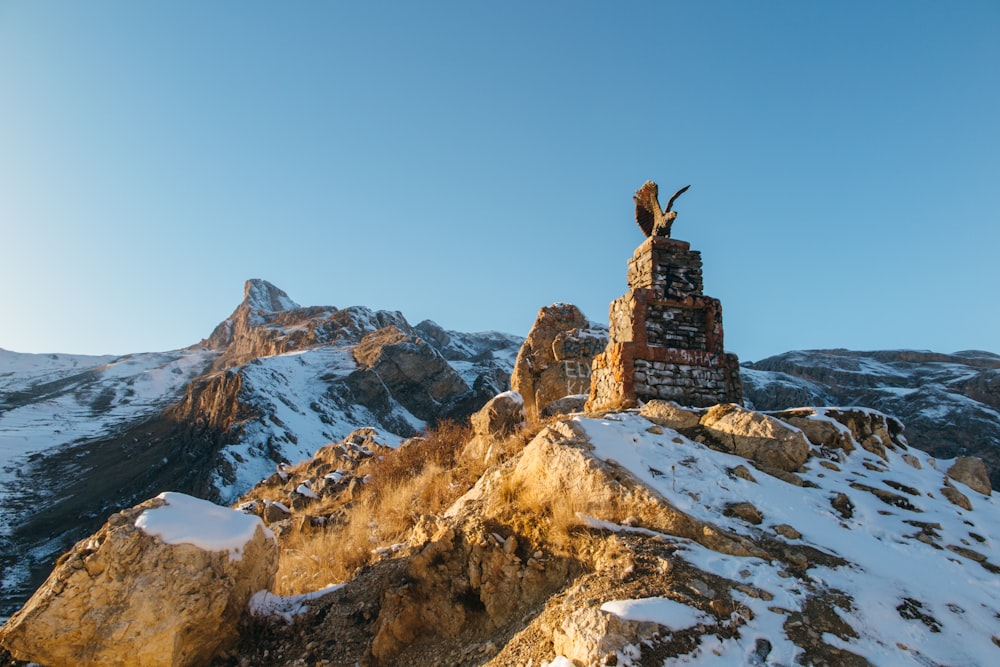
(555, 359)
(971, 471)
(164, 583)
(669, 414)
(499, 418)
(761, 438)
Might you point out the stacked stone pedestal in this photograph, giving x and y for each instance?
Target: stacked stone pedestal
(666, 337)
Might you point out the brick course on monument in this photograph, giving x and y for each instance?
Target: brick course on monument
(665, 336)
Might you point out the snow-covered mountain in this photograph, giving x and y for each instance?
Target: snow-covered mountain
(950, 403)
(82, 436)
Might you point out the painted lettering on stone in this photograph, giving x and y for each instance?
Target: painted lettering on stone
(582, 347)
(576, 374)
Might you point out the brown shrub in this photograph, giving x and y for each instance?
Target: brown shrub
(420, 477)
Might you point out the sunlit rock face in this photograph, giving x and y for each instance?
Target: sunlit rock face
(666, 336)
(163, 584)
(556, 357)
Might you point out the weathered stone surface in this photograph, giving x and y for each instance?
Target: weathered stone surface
(589, 632)
(839, 428)
(820, 432)
(275, 512)
(785, 530)
(555, 359)
(757, 437)
(971, 471)
(746, 511)
(123, 597)
(955, 496)
(499, 418)
(565, 405)
(666, 336)
(669, 414)
(414, 373)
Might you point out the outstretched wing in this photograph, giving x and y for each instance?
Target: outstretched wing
(647, 207)
(677, 194)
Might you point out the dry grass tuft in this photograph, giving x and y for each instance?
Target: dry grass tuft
(421, 477)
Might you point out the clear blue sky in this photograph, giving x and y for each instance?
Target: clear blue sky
(470, 162)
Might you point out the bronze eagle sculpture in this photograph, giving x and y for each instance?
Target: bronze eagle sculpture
(651, 220)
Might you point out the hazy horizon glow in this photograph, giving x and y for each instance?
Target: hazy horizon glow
(471, 163)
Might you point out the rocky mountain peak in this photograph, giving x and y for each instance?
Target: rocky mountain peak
(261, 296)
(261, 300)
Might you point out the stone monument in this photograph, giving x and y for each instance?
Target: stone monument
(665, 335)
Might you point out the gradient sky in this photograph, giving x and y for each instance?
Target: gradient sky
(470, 162)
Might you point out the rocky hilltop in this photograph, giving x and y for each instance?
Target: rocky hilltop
(704, 536)
(950, 403)
(272, 382)
(655, 519)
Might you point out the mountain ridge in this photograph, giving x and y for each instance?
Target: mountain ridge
(950, 403)
(272, 382)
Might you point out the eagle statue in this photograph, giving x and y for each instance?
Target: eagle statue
(648, 215)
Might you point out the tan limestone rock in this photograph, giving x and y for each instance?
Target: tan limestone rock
(164, 583)
(839, 428)
(972, 472)
(590, 633)
(497, 419)
(669, 414)
(820, 432)
(746, 511)
(500, 416)
(955, 496)
(758, 437)
(555, 359)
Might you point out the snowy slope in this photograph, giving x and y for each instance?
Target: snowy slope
(907, 601)
(950, 403)
(298, 413)
(50, 407)
(49, 401)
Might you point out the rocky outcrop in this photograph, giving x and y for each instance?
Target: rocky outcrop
(948, 402)
(624, 539)
(163, 583)
(668, 413)
(556, 357)
(414, 374)
(972, 472)
(760, 438)
(497, 420)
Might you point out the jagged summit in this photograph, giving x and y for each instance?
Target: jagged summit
(261, 302)
(260, 295)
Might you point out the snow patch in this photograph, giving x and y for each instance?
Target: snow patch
(663, 611)
(266, 603)
(183, 519)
